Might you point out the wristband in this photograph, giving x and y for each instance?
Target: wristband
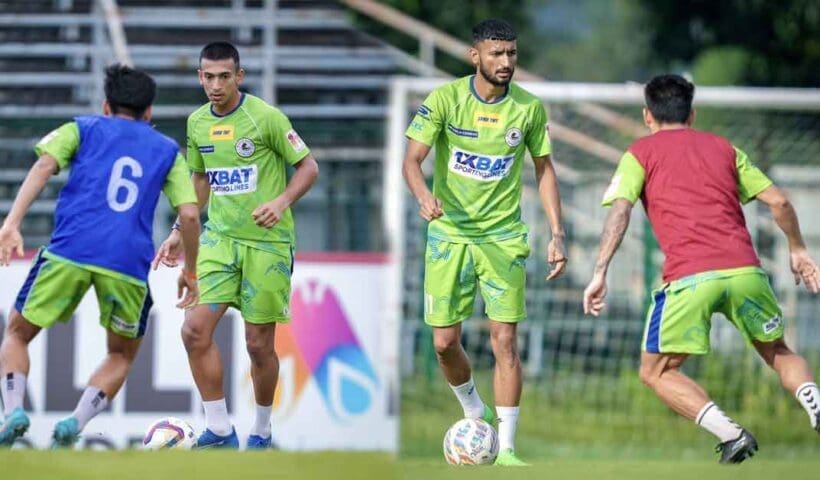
(176, 226)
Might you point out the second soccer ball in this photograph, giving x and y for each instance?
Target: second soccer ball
(471, 441)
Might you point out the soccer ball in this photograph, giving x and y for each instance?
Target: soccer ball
(169, 433)
(470, 441)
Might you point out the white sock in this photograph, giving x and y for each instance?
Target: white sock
(90, 405)
(809, 396)
(13, 390)
(712, 418)
(507, 424)
(261, 426)
(469, 399)
(216, 417)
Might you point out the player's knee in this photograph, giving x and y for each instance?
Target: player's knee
(194, 337)
(19, 329)
(445, 345)
(648, 376)
(260, 349)
(504, 346)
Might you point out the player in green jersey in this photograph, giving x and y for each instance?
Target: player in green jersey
(238, 149)
(480, 126)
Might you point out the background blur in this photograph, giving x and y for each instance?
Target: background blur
(329, 66)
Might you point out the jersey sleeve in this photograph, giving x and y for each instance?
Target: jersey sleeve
(195, 163)
(627, 182)
(178, 186)
(537, 137)
(429, 120)
(750, 180)
(62, 144)
(283, 138)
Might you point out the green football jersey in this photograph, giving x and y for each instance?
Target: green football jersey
(480, 150)
(244, 154)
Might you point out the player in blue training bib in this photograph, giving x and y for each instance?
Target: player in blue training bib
(102, 237)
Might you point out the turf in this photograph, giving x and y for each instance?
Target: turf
(135, 465)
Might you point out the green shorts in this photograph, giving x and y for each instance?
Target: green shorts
(453, 270)
(257, 282)
(679, 319)
(55, 286)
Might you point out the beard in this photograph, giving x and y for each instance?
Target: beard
(493, 79)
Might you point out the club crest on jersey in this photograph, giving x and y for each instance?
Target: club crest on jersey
(232, 180)
(245, 147)
(220, 133)
(486, 168)
(513, 137)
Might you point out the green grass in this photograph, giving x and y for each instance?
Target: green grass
(601, 419)
(572, 427)
(135, 465)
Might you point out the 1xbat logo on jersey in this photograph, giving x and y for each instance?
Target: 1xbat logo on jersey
(232, 181)
(481, 167)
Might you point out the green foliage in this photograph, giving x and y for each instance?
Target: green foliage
(779, 38)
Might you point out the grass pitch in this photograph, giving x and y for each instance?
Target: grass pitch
(136, 465)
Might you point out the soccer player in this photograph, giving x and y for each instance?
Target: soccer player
(481, 126)
(238, 148)
(102, 237)
(692, 185)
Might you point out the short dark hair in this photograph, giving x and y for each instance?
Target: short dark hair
(669, 98)
(128, 91)
(493, 29)
(219, 51)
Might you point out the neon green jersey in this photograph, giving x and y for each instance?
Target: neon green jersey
(479, 155)
(244, 154)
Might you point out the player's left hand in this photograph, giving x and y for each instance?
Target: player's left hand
(556, 257)
(269, 213)
(169, 252)
(805, 270)
(594, 295)
(11, 241)
(188, 284)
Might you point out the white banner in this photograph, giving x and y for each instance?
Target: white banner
(337, 387)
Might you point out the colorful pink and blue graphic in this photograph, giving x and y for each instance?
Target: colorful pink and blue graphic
(321, 343)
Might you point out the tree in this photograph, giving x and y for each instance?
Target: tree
(768, 42)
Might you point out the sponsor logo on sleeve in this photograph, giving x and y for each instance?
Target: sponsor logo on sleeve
(513, 137)
(461, 132)
(221, 133)
(424, 111)
(295, 141)
(232, 180)
(487, 120)
(245, 147)
(485, 168)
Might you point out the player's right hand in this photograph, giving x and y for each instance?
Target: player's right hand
(11, 241)
(188, 284)
(169, 252)
(805, 270)
(430, 208)
(594, 295)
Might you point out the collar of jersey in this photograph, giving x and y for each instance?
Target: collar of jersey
(241, 100)
(478, 97)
